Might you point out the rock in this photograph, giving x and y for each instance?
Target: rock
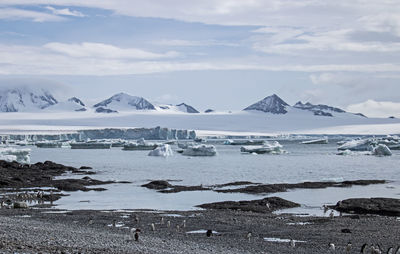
(85, 167)
(20, 205)
(266, 205)
(380, 206)
(157, 185)
(346, 231)
(105, 110)
(283, 187)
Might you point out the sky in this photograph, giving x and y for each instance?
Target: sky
(220, 54)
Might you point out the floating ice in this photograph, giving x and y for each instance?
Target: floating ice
(185, 145)
(200, 150)
(358, 145)
(268, 147)
(162, 150)
(18, 155)
(316, 141)
(381, 150)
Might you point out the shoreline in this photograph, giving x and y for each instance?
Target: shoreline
(45, 229)
(90, 231)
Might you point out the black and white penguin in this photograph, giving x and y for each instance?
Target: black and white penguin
(209, 233)
(364, 248)
(292, 243)
(348, 247)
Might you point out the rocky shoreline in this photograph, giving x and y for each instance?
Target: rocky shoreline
(37, 182)
(234, 227)
(164, 186)
(53, 231)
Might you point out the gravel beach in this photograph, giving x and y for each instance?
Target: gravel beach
(49, 231)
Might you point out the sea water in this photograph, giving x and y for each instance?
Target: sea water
(301, 163)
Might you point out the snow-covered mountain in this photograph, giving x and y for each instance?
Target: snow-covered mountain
(186, 108)
(321, 110)
(275, 105)
(271, 104)
(25, 99)
(72, 104)
(182, 107)
(125, 102)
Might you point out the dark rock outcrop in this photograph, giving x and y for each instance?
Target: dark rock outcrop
(105, 110)
(282, 187)
(380, 206)
(271, 104)
(266, 205)
(16, 175)
(165, 187)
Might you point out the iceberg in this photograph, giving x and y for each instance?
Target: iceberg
(268, 147)
(381, 150)
(200, 150)
(315, 142)
(358, 145)
(162, 150)
(18, 155)
(140, 145)
(185, 145)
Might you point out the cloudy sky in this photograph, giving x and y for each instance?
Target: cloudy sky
(223, 54)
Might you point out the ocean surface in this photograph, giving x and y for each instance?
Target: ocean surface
(301, 163)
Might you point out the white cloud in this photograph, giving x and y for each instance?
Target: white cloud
(301, 43)
(100, 50)
(83, 59)
(189, 43)
(374, 108)
(238, 12)
(18, 14)
(65, 12)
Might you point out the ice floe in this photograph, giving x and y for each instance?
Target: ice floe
(162, 150)
(200, 150)
(12, 154)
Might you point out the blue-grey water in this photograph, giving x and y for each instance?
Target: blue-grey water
(301, 163)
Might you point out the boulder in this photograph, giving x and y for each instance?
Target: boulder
(19, 205)
(380, 206)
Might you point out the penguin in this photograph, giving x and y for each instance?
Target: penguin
(331, 215)
(390, 251)
(184, 224)
(397, 250)
(292, 243)
(162, 221)
(114, 223)
(348, 247)
(364, 248)
(178, 228)
(168, 224)
(209, 233)
(90, 221)
(331, 246)
(153, 227)
(137, 231)
(136, 219)
(132, 233)
(248, 236)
